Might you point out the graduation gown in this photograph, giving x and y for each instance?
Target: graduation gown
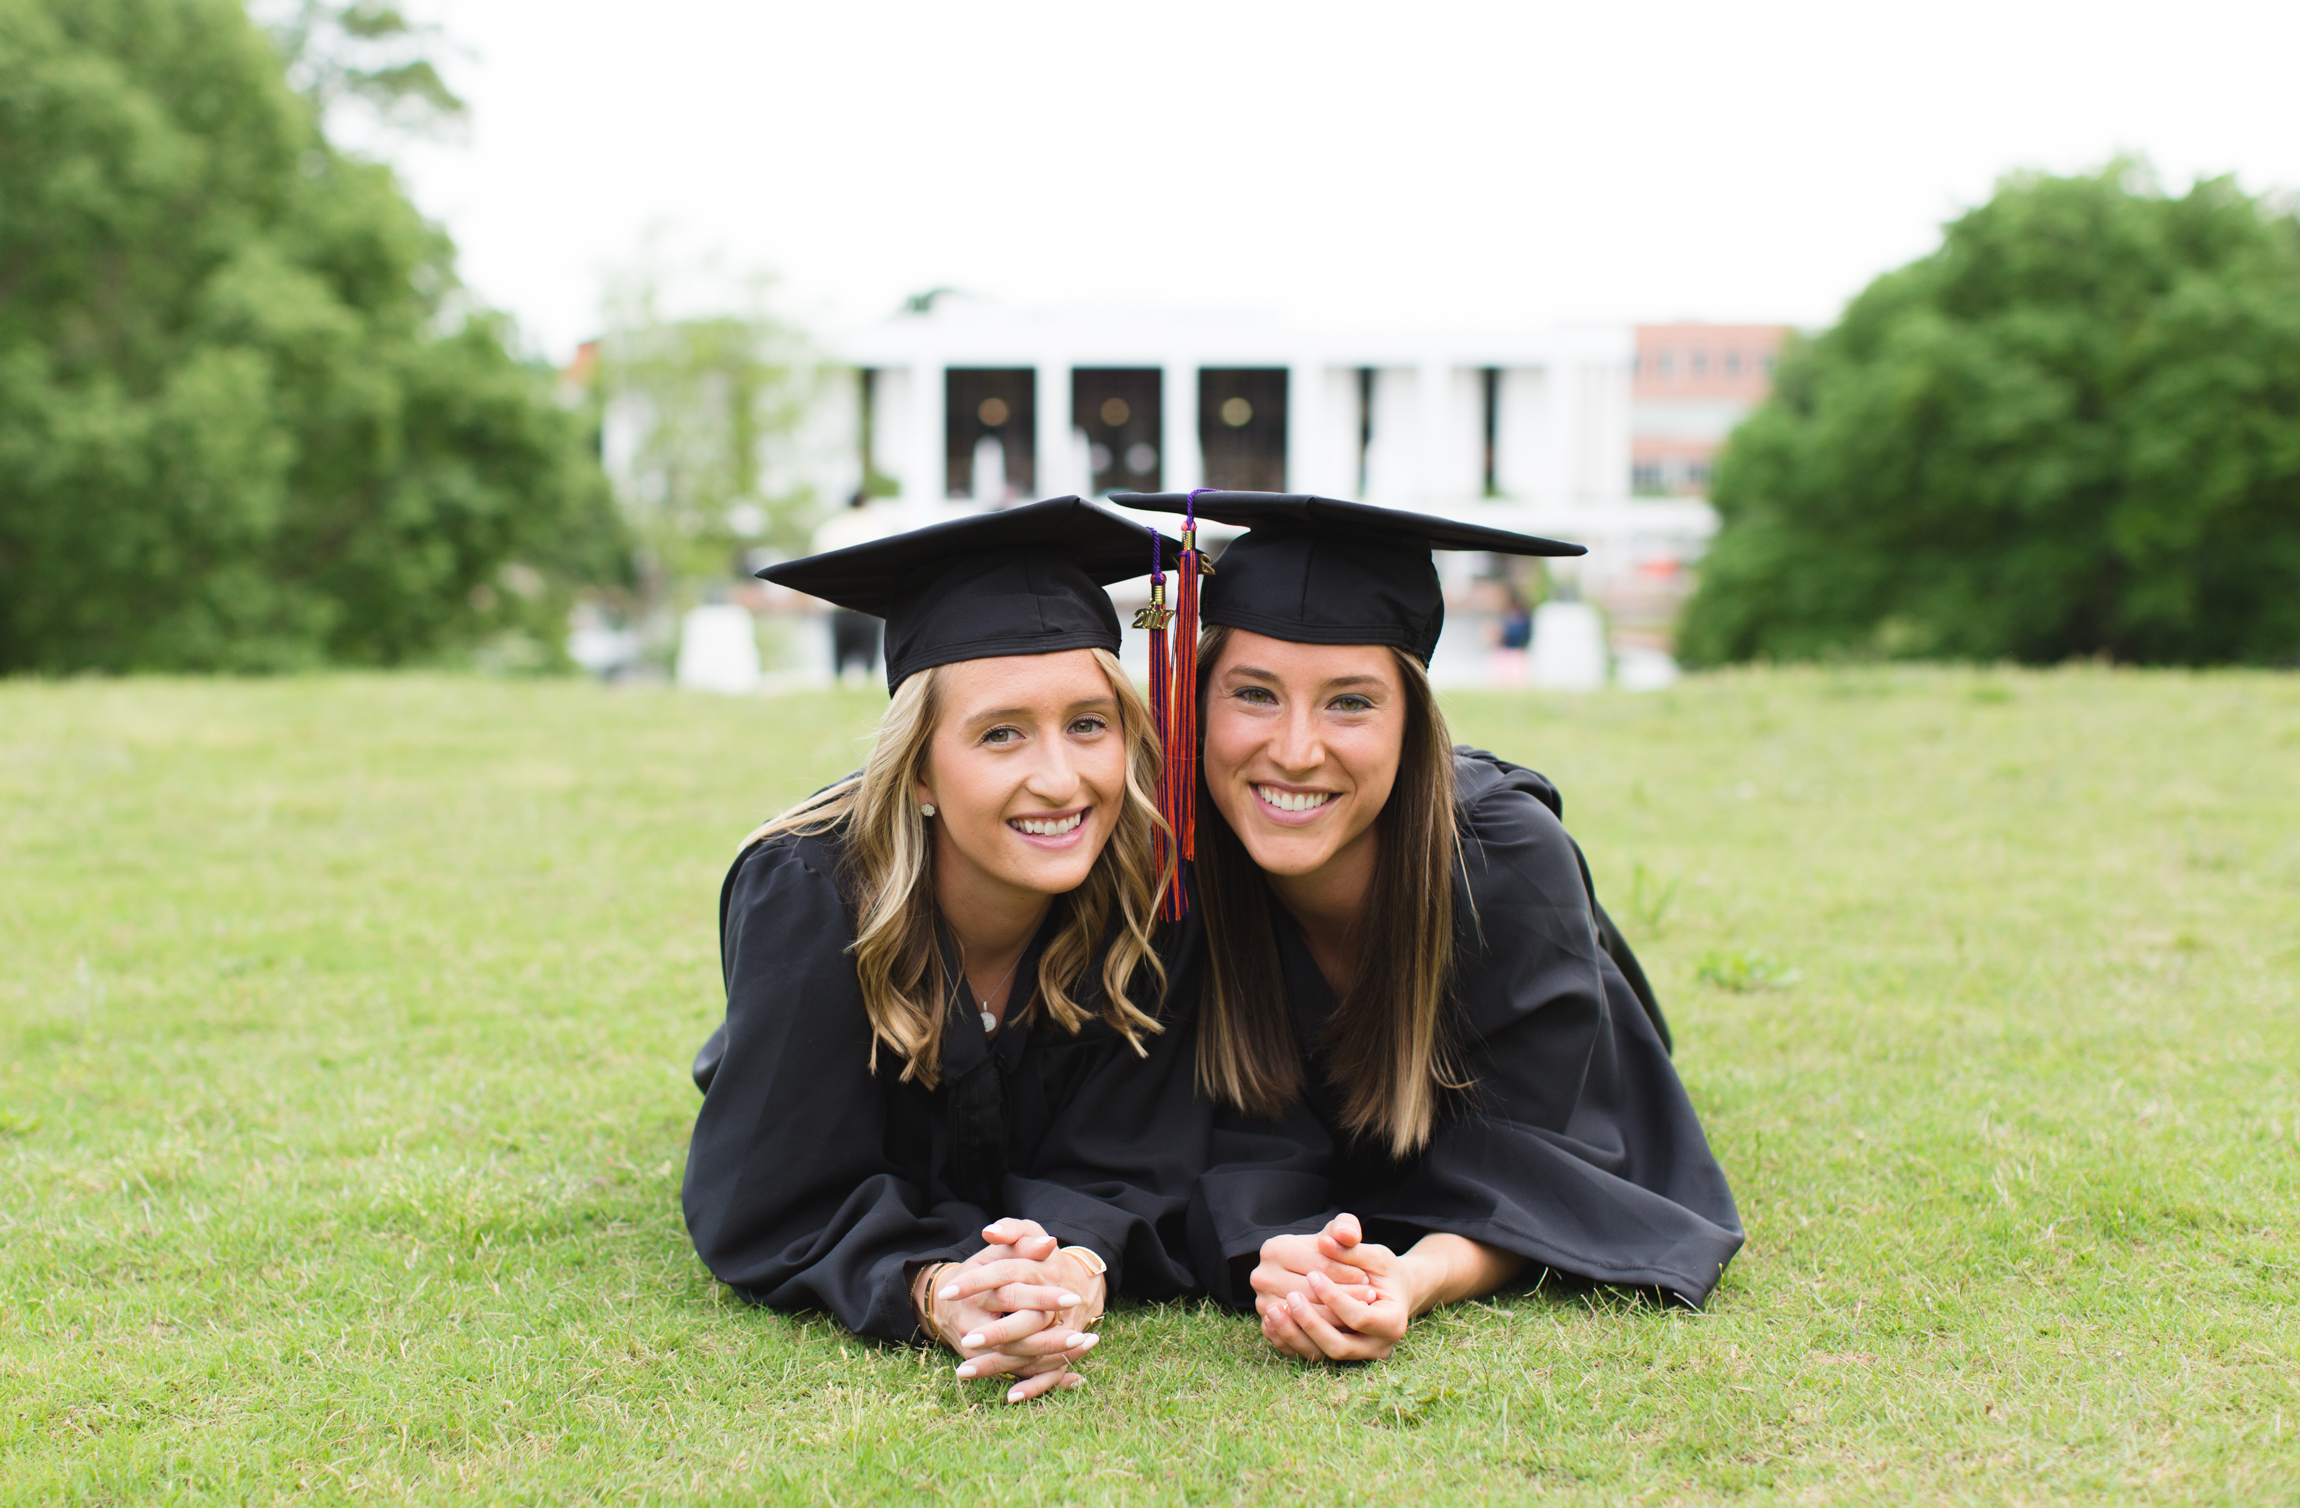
(813, 1183)
(1574, 1147)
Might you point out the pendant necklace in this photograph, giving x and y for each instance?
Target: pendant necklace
(989, 1017)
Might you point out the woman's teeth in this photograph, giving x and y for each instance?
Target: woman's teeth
(1053, 827)
(1294, 801)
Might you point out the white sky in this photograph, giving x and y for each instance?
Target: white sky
(1391, 164)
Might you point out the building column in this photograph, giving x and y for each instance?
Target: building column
(927, 476)
(1306, 441)
(1051, 405)
(1433, 390)
(1182, 465)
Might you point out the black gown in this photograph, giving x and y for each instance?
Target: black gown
(813, 1183)
(1575, 1146)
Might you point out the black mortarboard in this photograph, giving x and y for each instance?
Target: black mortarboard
(1025, 581)
(1316, 570)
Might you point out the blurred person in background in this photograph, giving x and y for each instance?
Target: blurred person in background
(934, 1108)
(854, 636)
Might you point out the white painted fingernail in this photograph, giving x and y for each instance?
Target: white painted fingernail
(1082, 1342)
(1067, 1299)
(971, 1340)
(949, 1293)
(967, 1371)
(1073, 1381)
(1014, 1395)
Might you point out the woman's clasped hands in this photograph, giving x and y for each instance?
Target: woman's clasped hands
(1334, 1296)
(1020, 1307)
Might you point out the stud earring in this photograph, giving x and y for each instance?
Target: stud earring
(926, 808)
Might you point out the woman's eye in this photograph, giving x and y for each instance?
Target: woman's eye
(1258, 696)
(1088, 725)
(1352, 704)
(1002, 736)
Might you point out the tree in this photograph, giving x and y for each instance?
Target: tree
(707, 412)
(368, 52)
(2072, 430)
(246, 419)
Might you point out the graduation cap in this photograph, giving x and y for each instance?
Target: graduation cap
(1317, 570)
(1314, 570)
(1025, 581)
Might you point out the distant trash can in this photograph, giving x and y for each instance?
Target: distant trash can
(719, 650)
(1568, 647)
(1644, 670)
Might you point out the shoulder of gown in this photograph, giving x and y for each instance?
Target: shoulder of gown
(789, 1194)
(1575, 1145)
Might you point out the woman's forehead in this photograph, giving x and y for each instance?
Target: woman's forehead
(1049, 681)
(1248, 652)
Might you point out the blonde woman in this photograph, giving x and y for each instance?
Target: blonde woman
(1443, 1070)
(932, 1109)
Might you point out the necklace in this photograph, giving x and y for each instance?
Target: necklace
(989, 1017)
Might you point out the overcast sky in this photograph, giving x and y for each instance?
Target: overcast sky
(1394, 164)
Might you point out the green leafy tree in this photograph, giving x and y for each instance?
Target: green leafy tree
(2072, 430)
(368, 52)
(709, 409)
(245, 419)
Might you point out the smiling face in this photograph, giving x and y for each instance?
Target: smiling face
(1303, 743)
(1027, 770)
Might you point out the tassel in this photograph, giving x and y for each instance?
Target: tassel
(1155, 618)
(1181, 777)
(1183, 751)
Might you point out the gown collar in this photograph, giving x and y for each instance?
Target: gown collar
(965, 1045)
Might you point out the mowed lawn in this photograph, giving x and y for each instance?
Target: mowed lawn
(343, 1037)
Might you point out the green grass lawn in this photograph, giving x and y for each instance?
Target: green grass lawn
(343, 1037)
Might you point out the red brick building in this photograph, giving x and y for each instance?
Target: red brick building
(1689, 385)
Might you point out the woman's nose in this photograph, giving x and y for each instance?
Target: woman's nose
(1296, 747)
(1054, 774)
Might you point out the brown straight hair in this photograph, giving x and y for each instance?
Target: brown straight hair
(1386, 1047)
(889, 880)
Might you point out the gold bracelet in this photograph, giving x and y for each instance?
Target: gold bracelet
(922, 1299)
(1090, 1259)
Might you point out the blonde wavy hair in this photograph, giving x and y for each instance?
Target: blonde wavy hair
(888, 878)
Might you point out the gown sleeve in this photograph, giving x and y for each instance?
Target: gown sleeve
(1115, 1168)
(1575, 1146)
(1121, 1158)
(790, 1196)
(1262, 1178)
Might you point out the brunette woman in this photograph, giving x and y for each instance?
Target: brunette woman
(1440, 1075)
(930, 1109)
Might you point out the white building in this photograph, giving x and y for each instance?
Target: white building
(971, 404)
(963, 404)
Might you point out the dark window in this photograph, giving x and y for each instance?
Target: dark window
(1700, 363)
(1365, 423)
(1118, 408)
(1645, 478)
(1732, 363)
(1492, 384)
(999, 402)
(1663, 364)
(1768, 363)
(1242, 427)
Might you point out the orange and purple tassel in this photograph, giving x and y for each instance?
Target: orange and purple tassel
(1154, 618)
